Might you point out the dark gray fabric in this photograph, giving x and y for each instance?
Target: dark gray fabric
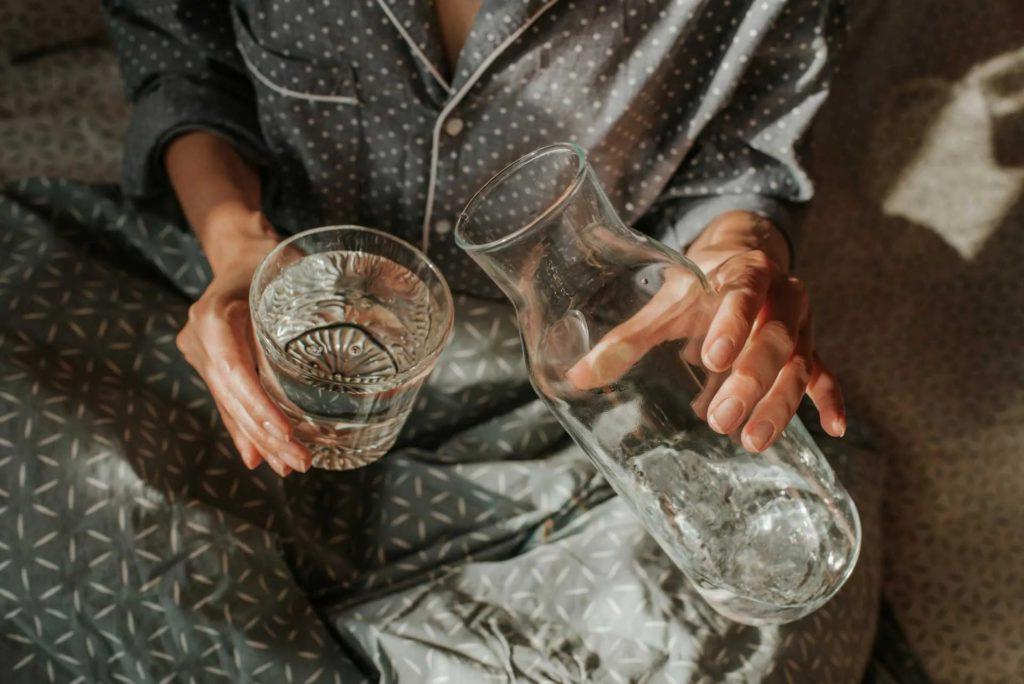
(136, 547)
(893, 660)
(678, 103)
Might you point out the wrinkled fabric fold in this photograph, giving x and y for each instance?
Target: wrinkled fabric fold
(485, 546)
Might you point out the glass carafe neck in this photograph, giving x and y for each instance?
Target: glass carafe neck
(534, 227)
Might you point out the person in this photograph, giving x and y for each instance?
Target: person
(484, 546)
(266, 118)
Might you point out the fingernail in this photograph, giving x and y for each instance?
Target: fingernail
(273, 429)
(298, 453)
(760, 434)
(726, 415)
(277, 465)
(839, 427)
(720, 353)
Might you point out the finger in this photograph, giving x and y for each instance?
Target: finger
(271, 447)
(276, 464)
(210, 345)
(231, 375)
(773, 413)
(246, 449)
(824, 391)
(266, 442)
(238, 364)
(707, 393)
(660, 319)
(250, 454)
(770, 346)
(744, 283)
(691, 351)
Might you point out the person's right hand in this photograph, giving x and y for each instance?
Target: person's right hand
(217, 340)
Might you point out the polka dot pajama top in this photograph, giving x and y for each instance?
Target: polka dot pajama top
(686, 108)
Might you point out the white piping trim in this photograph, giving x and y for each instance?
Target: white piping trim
(415, 48)
(338, 99)
(453, 103)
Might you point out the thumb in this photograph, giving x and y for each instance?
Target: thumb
(672, 313)
(607, 361)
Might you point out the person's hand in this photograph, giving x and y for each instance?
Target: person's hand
(218, 341)
(758, 343)
(762, 336)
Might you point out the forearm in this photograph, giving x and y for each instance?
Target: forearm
(219, 193)
(737, 230)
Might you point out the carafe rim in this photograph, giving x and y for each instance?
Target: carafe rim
(535, 221)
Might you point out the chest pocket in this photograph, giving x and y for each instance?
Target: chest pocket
(312, 120)
(295, 77)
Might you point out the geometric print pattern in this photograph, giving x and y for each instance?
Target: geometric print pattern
(138, 548)
(118, 562)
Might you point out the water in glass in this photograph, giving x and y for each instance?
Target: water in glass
(346, 331)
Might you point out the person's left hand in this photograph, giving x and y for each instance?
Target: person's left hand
(759, 343)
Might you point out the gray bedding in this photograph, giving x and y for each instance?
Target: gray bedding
(136, 547)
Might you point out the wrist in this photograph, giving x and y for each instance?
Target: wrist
(234, 235)
(219, 193)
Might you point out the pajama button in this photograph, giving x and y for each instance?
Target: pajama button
(453, 126)
(443, 226)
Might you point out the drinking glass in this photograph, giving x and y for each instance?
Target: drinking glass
(612, 324)
(350, 322)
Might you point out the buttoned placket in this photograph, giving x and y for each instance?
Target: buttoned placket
(489, 42)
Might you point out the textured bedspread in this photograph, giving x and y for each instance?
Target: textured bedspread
(135, 546)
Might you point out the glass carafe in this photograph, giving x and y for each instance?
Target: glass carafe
(765, 538)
